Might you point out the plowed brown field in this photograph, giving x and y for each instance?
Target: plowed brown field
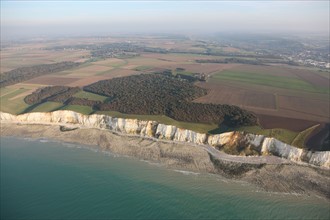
(51, 80)
(268, 121)
(277, 107)
(202, 67)
(313, 78)
(112, 74)
(236, 96)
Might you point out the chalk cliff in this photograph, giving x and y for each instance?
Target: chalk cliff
(237, 142)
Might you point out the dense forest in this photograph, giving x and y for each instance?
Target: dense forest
(149, 94)
(158, 94)
(51, 93)
(25, 73)
(257, 61)
(111, 50)
(146, 93)
(190, 78)
(231, 60)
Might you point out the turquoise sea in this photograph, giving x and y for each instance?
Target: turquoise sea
(42, 179)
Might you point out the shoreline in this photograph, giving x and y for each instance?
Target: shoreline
(238, 146)
(279, 175)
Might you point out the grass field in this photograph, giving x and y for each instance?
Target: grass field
(272, 91)
(86, 70)
(18, 105)
(188, 73)
(325, 74)
(28, 55)
(10, 105)
(86, 110)
(296, 139)
(5, 90)
(283, 135)
(283, 91)
(143, 68)
(198, 127)
(112, 62)
(90, 96)
(47, 107)
(269, 80)
(301, 138)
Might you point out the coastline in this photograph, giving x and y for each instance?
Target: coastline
(272, 174)
(239, 146)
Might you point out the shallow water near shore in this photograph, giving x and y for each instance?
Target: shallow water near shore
(42, 179)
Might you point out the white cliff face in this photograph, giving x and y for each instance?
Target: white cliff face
(132, 126)
(220, 139)
(254, 139)
(7, 117)
(184, 135)
(153, 129)
(166, 132)
(276, 147)
(319, 158)
(214, 140)
(238, 137)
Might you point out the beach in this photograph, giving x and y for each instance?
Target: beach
(278, 175)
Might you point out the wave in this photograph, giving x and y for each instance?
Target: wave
(44, 140)
(186, 172)
(152, 163)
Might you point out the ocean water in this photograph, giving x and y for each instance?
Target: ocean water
(42, 179)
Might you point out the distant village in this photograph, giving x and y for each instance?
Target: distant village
(310, 58)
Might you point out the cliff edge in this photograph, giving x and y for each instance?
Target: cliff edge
(238, 143)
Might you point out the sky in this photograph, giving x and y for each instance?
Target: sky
(61, 18)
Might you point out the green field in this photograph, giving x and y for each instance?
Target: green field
(283, 135)
(293, 138)
(90, 96)
(300, 139)
(269, 80)
(325, 74)
(10, 105)
(86, 110)
(175, 72)
(143, 68)
(47, 107)
(119, 64)
(17, 106)
(5, 90)
(198, 127)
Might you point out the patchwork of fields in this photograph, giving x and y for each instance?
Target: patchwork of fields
(279, 93)
(283, 97)
(34, 54)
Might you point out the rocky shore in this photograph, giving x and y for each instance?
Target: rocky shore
(196, 153)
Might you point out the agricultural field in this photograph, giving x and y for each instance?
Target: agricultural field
(290, 101)
(88, 70)
(33, 54)
(282, 97)
(285, 135)
(285, 82)
(11, 101)
(12, 97)
(142, 68)
(51, 80)
(90, 96)
(198, 127)
(86, 110)
(114, 67)
(47, 107)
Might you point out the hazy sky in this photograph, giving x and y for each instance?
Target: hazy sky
(21, 18)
